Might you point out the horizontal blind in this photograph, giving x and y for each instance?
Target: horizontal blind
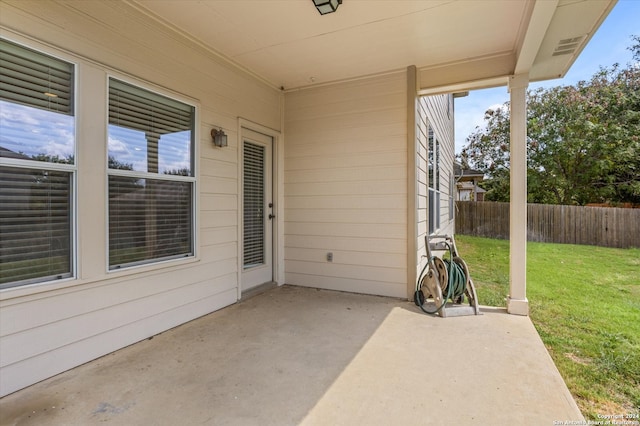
(254, 221)
(31, 78)
(35, 225)
(148, 219)
(139, 109)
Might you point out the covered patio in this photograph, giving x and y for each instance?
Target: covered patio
(335, 102)
(294, 355)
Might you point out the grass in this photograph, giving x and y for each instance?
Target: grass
(585, 303)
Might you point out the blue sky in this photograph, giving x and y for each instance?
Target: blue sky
(606, 47)
(32, 131)
(130, 147)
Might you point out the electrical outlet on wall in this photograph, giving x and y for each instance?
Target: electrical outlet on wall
(330, 257)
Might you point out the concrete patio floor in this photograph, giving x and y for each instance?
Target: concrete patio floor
(296, 355)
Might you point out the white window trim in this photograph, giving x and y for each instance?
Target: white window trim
(34, 287)
(195, 214)
(38, 290)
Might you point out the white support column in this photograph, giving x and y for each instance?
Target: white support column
(517, 302)
(413, 261)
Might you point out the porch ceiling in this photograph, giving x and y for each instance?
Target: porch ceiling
(455, 44)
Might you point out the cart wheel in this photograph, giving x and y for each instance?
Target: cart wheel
(418, 298)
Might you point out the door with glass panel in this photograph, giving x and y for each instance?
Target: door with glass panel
(258, 209)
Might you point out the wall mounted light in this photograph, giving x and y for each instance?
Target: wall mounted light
(219, 137)
(327, 6)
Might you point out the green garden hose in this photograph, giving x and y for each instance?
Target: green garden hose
(457, 283)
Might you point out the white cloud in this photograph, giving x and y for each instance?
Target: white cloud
(15, 114)
(116, 146)
(495, 107)
(56, 148)
(35, 131)
(175, 152)
(469, 111)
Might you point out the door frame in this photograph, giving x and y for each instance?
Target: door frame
(278, 200)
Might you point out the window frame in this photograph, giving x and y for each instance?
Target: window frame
(452, 190)
(154, 263)
(434, 193)
(70, 169)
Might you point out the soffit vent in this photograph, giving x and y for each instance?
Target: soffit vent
(567, 46)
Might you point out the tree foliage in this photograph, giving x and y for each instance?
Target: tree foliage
(583, 141)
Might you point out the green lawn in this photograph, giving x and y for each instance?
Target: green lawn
(585, 304)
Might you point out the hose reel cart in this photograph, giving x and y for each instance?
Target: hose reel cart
(445, 281)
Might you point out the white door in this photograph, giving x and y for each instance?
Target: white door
(258, 209)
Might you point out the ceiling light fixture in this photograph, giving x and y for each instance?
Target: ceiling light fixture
(327, 6)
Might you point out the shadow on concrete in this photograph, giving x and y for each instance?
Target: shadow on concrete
(296, 355)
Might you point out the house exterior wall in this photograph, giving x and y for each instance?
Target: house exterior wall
(465, 193)
(50, 327)
(435, 111)
(422, 187)
(346, 186)
(344, 168)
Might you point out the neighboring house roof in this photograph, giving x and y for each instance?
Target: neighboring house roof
(466, 174)
(7, 153)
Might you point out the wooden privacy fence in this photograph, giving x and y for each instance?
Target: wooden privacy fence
(598, 226)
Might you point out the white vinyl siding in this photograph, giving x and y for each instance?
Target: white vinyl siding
(436, 108)
(433, 112)
(345, 186)
(50, 327)
(344, 177)
(422, 185)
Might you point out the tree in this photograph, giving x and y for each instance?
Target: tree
(487, 150)
(583, 141)
(635, 48)
(113, 163)
(69, 159)
(182, 171)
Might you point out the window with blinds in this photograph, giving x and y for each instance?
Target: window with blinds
(452, 191)
(151, 179)
(37, 171)
(434, 180)
(433, 161)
